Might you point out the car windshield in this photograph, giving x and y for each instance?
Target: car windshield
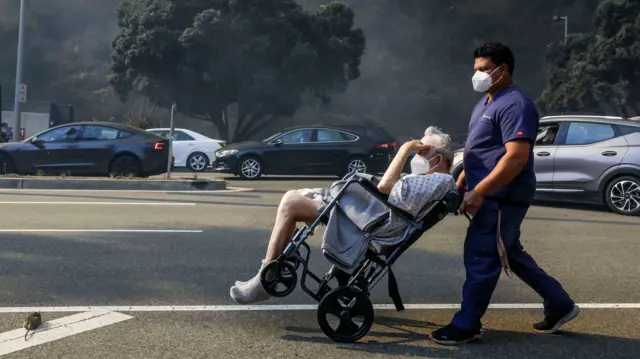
(270, 138)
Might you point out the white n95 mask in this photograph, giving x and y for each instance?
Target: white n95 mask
(419, 165)
(482, 81)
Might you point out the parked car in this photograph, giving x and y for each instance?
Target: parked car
(376, 133)
(586, 159)
(306, 150)
(191, 149)
(87, 148)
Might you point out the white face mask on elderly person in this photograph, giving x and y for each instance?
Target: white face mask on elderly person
(420, 165)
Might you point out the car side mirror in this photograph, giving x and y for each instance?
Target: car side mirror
(37, 142)
(278, 142)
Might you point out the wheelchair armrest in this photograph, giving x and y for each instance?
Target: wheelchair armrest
(384, 198)
(373, 189)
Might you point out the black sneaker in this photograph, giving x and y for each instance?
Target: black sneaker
(551, 325)
(451, 335)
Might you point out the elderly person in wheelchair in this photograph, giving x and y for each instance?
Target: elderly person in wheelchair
(428, 182)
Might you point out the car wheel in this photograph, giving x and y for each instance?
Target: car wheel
(197, 162)
(250, 168)
(6, 164)
(623, 195)
(357, 164)
(125, 166)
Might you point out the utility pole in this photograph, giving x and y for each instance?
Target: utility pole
(171, 132)
(16, 103)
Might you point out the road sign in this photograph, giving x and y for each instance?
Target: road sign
(23, 93)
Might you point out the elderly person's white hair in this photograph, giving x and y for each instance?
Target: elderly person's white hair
(440, 144)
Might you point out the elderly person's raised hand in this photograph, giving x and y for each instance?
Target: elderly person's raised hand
(415, 146)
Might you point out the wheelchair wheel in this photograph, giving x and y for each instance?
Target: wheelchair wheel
(279, 279)
(349, 306)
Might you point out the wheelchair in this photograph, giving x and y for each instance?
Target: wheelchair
(349, 299)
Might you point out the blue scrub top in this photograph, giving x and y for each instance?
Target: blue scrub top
(511, 115)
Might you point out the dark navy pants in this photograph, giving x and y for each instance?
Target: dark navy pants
(483, 266)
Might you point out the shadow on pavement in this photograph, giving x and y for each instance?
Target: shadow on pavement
(255, 195)
(283, 178)
(111, 197)
(592, 207)
(177, 269)
(622, 222)
(399, 337)
(198, 269)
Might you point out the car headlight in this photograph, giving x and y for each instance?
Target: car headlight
(224, 153)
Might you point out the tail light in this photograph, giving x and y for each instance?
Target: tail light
(159, 146)
(386, 145)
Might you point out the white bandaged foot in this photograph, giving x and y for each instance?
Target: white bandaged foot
(249, 293)
(240, 283)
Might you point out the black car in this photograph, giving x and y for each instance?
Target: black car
(308, 150)
(87, 148)
(376, 133)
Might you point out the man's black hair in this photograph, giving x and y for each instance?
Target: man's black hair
(498, 53)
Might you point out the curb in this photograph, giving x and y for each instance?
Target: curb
(117, 184)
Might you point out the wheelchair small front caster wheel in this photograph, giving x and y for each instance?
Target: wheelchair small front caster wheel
(279, 279)
(351, 309)
(294, 260)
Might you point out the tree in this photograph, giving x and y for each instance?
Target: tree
(261, 55)
(601, 69)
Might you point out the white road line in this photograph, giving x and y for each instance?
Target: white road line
(13, 341)
(293, 307)
(239, 189)
(106, 203)
(106, 230)
(227, 190)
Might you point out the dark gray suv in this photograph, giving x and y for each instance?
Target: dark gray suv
(586, 159)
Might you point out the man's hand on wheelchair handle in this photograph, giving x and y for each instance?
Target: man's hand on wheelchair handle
(472, 202)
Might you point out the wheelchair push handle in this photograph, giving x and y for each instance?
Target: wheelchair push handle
(456, 202)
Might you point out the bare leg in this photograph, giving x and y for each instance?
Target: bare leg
(293, 208)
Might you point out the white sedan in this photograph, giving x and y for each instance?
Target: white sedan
(192, 150)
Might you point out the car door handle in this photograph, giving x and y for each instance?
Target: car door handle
(609, 153)
(191, 144)
(543, 154)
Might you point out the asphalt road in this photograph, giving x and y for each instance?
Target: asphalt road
(189, 248)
